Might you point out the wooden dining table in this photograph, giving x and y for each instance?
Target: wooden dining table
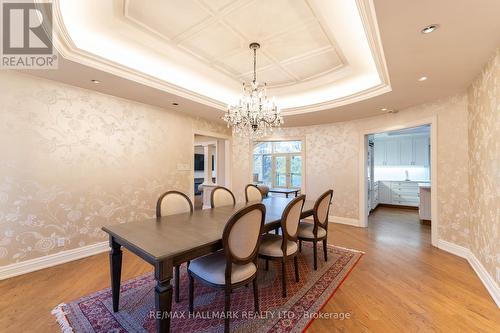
(168, 241)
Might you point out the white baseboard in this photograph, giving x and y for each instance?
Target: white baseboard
(482, 273)
(486, 278)
(50, 260)
(453, 248)
(344, 220)
(340, 220)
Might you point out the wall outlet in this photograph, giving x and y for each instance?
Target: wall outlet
(60, 241)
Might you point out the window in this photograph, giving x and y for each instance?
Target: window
(278, 163)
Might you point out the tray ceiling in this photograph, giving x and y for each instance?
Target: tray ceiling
(295, 46)
(315, 54)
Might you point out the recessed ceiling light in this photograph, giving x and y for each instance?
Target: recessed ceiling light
(175, 104)
(384, 109)
(96, 81)
(430, 28)
(392, 111)
(423, 78)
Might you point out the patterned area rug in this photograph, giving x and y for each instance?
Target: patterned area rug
(94, 313)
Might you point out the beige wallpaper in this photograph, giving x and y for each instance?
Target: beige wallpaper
(332, 154)
(74, 160)
(484, 157)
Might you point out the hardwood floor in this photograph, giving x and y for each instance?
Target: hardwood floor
(402, 284)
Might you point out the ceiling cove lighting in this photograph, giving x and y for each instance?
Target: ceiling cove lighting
(254, 115)
(423, 78)
(430, 28)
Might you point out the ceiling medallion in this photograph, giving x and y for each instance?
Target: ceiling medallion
(254, 115)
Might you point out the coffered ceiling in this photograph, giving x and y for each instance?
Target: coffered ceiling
(138, 54)
(314, 55)
(295, 45)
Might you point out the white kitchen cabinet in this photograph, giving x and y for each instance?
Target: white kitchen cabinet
(404, 193)
(406, 151)
(424, 209)
(379, 153)
(421, 151)
(392, 153)
(402, 151)
(384, 192)
(401, 193)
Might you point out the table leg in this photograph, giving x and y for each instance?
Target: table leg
(115, 265)
(163, 295)
(286, 195)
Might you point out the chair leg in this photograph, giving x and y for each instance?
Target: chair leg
(296, 264)
(177, 282)
(283, 277)
(191, 294)
(315, 250)
(267, 264)
(300, 245)
(227, 307)
(255, 295)
(324, 249)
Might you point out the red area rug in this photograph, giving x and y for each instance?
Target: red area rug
(93, 313)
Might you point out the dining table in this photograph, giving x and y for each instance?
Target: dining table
(167, 241)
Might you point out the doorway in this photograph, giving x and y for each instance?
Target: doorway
(398, 168)
(211, 165)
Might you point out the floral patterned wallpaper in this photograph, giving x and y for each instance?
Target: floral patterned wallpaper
(484, 158)
(74, 160)
(332, 154)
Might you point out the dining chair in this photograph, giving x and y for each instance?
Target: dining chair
(317, 231)
(283, 247)
(171, 203)
(252, 193)
(236, 264)
(221, 196)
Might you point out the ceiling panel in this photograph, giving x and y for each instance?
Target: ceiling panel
(272, 74)
(260, 20)
(242, 62)
(314, 65)
(169, 18)
(213, 41)
(217, 5)
(297, 42)
(218, 32)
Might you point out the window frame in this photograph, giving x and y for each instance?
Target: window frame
(302, 153)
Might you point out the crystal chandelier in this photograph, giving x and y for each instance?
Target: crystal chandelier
(254, 115)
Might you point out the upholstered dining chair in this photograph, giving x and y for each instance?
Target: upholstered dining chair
(171, 203)
(222, 196)
(236, 264)
(283, 247)
(252, 193)
(317, 231)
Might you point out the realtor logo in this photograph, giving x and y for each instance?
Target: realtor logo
(27, 35)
